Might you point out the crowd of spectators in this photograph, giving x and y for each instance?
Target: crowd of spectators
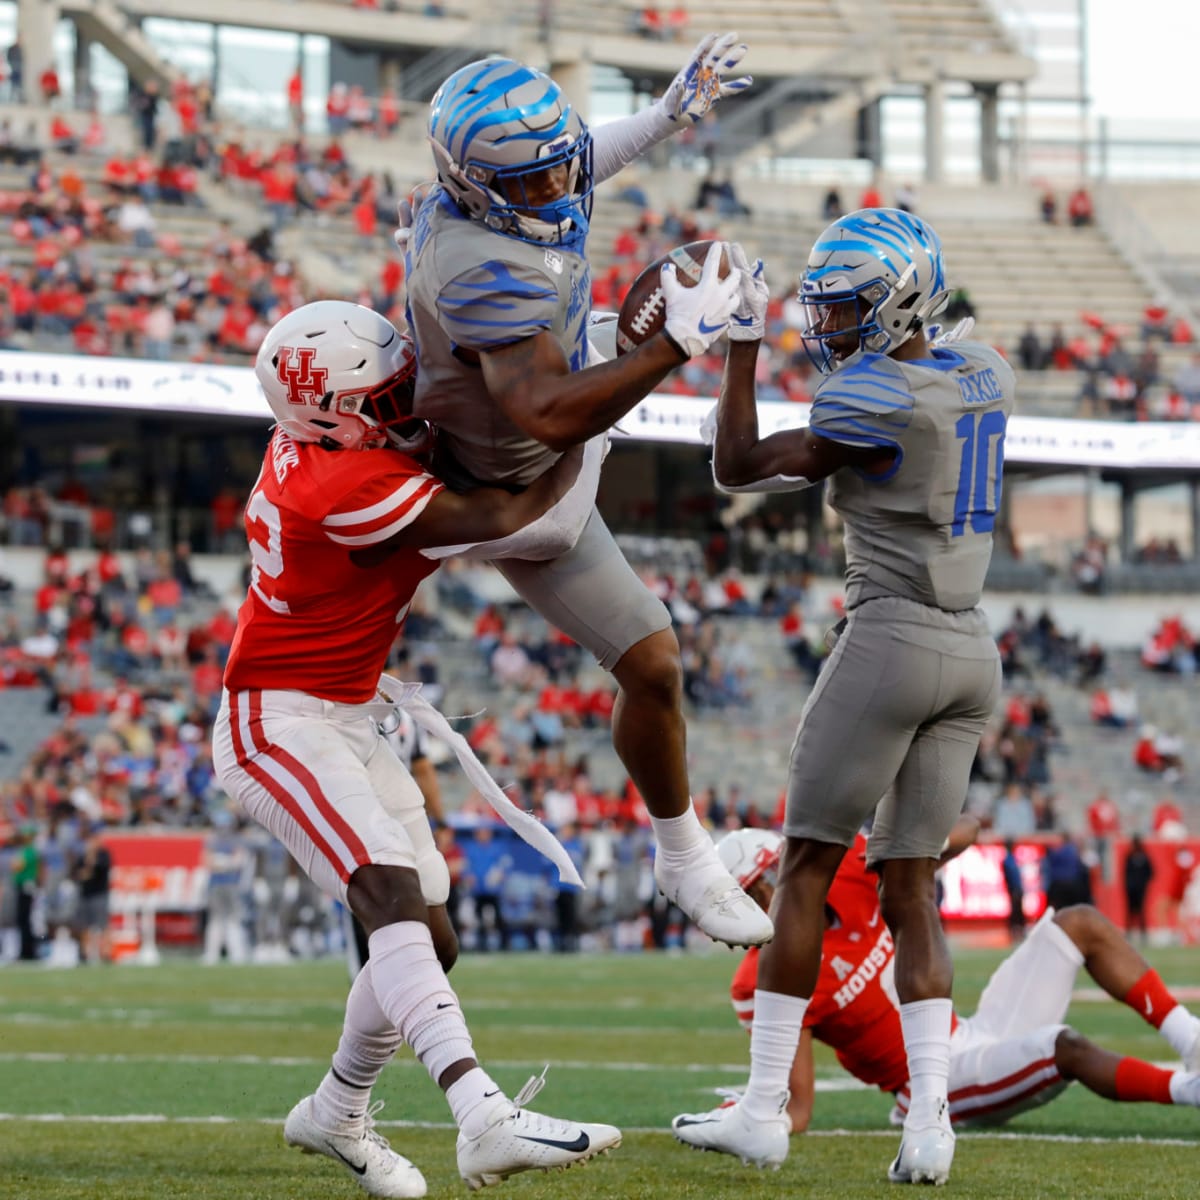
(128, 659)
(1122, 368)
(206, 302)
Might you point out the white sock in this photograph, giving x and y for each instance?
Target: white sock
(680, 838)
(368, 1042)
(774, 1039)
(926, 1026)
(414, 993)
(1181, 1029)
(1185, 1088)
(468, 1099)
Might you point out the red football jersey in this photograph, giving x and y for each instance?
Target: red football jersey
(854, 1009)
(313, 620)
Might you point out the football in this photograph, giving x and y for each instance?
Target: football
(645, 309)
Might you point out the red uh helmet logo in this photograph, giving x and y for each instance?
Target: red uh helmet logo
(305, 383)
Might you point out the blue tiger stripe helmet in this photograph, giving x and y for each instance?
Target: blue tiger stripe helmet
(888, 265)
(493, 126)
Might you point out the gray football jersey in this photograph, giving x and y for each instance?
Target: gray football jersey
(470, 288)
(922, 530)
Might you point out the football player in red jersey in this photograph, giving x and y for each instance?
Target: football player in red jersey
(1013, 1054)
(335, 525)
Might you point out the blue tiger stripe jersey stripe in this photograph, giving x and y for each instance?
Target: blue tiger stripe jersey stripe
(496, 303)
(867, 402)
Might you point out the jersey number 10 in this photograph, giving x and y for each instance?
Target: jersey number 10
(980, 471)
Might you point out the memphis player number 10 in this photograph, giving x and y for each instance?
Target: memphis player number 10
(980, 471)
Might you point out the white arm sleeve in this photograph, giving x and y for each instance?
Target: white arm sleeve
(776, 483)
(618, 143)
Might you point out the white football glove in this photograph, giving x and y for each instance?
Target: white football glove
(749, 323)
(692, 93)
(937, 339)
(406, 214)
(697, 316)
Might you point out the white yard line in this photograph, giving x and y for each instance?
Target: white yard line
(161, 1119)
(255, 1060)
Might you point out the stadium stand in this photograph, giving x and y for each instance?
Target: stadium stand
(107, 692)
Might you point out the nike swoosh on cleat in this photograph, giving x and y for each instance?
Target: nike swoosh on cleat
(577, 1146)
(352, 1165)
(705, 327)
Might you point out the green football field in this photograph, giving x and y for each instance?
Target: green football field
(132, 1082)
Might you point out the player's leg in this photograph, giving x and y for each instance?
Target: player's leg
(593, 595)
(992, 1079)
(329, 816)
(853, 734)
(1126, 976)
(404, 802)
(302, 775)
(955, 656)
(756, 1129)
(1119, 1077)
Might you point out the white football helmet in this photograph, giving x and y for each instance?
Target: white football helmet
(342, 375)
(750, 855)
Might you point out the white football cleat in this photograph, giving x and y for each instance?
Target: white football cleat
(366, 1154)
(520, 1140)
(926, 1146)
(710, 897)
(728, 1130)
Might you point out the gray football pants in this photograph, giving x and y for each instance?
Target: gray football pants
(893, 725)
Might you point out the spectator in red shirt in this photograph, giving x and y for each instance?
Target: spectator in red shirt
(364, 218)
(1079, 208)
(871, 196)
(337, 109)
(62, 135)
(48, 81)
(1166, 814)
(389, 112)
(206, 680)
(279, 193)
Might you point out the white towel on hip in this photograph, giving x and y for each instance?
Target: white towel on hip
(525, 825)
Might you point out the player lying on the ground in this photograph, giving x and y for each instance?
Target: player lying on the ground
(336, 523)
(1012, 1054)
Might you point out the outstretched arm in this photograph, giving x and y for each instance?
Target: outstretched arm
(534, 386)
(689, 97)
(482, 515)
(741, 458)
(801, 1088)
(964, 834)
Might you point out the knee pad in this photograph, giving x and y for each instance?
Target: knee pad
(434, 875)
(431, 866)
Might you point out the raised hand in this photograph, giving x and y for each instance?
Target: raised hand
(749, 320)
(697, 316)
(693, 92)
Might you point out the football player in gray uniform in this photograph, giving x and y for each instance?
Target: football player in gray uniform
(499, 294)
(911, 437)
